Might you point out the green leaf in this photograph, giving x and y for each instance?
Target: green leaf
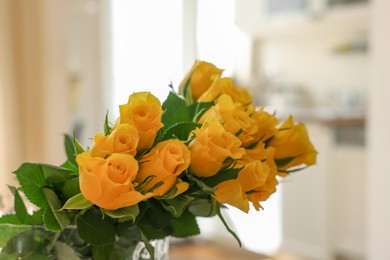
(153, 233)
(239, 132)
(180, 130)
(148, 246)
(204, 187)
(7, 231)
(129, 230)
(177, 205)
(186, 92)
(77, 202)
(54, 174)
(185, 225)
(96, 230)
(70, 166)
(128, 213)
(145, 183)
(227, 227)
(102, 252)
(10, 219)
(78, 148)
(50, 221)
(70, 149)
(54, 219)
(283, 162)
(222, 175)
(107, 128)
(159, 222)
(175, 110)
(19, 207)
(36, 217)
(31, 178)
(71, 188)
(203, 207)
(197, 110)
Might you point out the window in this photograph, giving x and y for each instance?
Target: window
(146, 47)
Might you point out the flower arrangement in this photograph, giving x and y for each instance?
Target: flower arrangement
(156, 169)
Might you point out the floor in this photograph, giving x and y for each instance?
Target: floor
(206, 250)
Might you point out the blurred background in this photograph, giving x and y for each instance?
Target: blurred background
(64, 63)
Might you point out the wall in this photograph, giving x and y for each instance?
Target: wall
(10, 150)
(378, 178)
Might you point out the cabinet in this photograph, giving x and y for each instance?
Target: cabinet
(258, 19)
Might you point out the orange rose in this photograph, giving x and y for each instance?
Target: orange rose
(292, 146)
(234, 118)
(166, 161)
(143, 110)
(108, 182)
(231, 192)
(210, 148)
(263, 192)
(253, 175)
(122, 139)
(266, 125)
(201, 74)
(226, 86)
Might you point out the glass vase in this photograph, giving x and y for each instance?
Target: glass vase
(38, 243)
(161, 250)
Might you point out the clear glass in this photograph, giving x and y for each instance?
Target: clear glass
(161, 250)
(37, 243)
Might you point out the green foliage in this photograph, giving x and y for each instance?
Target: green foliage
(204, 188)
(180, 131)
(124, 214)
(20, 208)
(222, 175)
(31, 179)
(284, 161)
(54, 219)
(186, 92)
(107, 127)
(197, 109)
(77, 202)
(175, 110)
(70, 149)
(71, 188)
(95, 229)
(185, 225)
(203, 207)
(227, 227)
(177, 205)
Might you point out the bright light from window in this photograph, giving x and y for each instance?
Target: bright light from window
(146, 47)
(217, 35)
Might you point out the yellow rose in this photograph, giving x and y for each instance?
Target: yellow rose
(143, 110)
(266, 125)
(210, 148)
(234, 119)
(292, 146)
(122, 139)
(226, 86)
(166, 161)
(231, 192)
(108, 182)
(253, 175)
(201, 74)
(263, 192)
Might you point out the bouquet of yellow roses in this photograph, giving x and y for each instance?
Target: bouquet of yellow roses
(158, 167)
